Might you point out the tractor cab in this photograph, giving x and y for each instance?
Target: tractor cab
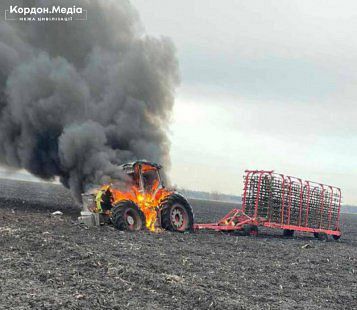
(145, 175)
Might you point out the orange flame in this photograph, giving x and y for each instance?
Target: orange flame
(148, 202)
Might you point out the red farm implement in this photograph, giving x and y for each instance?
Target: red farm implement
(284, 202)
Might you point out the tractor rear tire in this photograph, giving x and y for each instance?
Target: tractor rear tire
(176, 214)
(250, 230)
(288, 233)
(126, 215)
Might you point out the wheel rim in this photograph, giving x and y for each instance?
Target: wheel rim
(179, 218)
(132, 220)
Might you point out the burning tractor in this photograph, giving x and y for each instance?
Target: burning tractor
(145, 204)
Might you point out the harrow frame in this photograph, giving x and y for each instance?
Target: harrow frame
(284, 202)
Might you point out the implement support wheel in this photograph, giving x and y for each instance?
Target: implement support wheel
(250, 230)
(335, 237)
(321, 236)
(288, 233)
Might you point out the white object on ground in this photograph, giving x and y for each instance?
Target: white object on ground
(89, 218)
(57, 213)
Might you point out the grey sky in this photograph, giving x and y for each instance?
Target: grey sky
(265, 84)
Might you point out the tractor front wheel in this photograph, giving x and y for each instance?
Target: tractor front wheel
(176, 214)
(127, 216)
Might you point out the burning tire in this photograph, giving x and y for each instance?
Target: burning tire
(250, 230)
(127, 216)
(176, 214)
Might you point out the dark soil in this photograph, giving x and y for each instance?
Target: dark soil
(51, 262)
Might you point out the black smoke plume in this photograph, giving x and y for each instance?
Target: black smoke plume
(78, 98)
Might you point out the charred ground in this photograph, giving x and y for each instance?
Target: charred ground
(53, 263)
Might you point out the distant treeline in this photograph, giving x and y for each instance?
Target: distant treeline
(349, 209)
(210, 195)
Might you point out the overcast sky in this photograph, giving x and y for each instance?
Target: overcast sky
(264, 84)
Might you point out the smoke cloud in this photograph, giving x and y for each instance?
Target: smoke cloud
(78, 98)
